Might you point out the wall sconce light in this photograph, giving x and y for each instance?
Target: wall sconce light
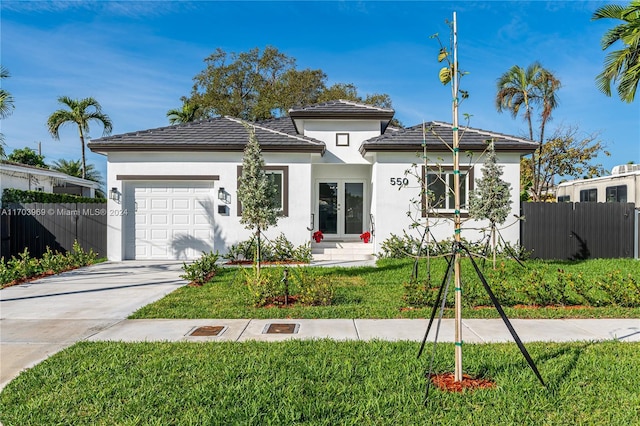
(113, 194)
(224, 196)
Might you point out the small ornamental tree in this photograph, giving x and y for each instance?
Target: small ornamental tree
(256, 192)
(491, 199)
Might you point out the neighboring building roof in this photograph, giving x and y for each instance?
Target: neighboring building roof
(216, 134)
(595, 180)
(411, 138)
(11, 167)
(341, 109)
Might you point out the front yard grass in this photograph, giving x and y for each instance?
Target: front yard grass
(377, 292)
(322, 382)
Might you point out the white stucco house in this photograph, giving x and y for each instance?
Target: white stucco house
(340, 169)
(30, 178)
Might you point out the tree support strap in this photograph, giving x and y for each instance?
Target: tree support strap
(504, 317)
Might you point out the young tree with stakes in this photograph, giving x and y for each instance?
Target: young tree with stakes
(491, 199)
(256, 192)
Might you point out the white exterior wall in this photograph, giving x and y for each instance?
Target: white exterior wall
(25, 182)
(391, 203)
(326, 130)
(227, 228)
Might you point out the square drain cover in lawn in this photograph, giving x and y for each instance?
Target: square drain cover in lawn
(208, 330)
(281, 329)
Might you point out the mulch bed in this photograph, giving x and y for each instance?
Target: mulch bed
(34, 277)
(279, 262)
(446, 382)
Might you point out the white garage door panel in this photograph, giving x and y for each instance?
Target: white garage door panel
(171, 221)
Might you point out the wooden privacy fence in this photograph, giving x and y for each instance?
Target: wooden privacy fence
(579, 230)
(37, 226)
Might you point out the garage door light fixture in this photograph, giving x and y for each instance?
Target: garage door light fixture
(224, 196)
(113, 194)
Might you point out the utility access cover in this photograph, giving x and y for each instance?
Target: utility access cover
(208, 330)
(281, 329)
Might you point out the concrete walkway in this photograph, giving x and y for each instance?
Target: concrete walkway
(474, 330)
(40, 318)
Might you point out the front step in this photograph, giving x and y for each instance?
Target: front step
(342, 250)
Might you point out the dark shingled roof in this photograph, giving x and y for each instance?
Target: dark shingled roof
(411, 138)
(216, 134)
(340, 108)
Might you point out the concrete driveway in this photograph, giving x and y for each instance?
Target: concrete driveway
(40, 318)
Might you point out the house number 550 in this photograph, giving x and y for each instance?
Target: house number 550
(396, 181)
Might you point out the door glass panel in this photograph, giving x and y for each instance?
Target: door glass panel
(328, 207)
(353, 207)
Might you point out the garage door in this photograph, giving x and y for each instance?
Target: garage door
(172, 219)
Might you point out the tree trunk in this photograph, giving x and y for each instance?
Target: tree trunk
(84, 163)
(493, 243)
(258, 254)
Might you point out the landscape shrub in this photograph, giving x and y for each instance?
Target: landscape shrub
(24, 266)
(315, 290)
(17, 196)
(278, 250)
(538, 283)
(402, 247)
(202, 270)
(264, 288)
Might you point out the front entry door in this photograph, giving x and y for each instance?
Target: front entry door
(341, 208)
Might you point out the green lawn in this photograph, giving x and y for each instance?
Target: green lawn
(322, 383)
(590, 287)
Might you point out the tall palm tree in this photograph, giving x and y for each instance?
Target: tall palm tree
(6, 105)
(75, 168)
(621, 67)
(188, 113)
(81, 112)
(520, 89)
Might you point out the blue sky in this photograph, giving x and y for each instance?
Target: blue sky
(137, 58)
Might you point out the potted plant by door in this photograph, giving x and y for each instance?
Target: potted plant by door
(365, 237)
(318, 236)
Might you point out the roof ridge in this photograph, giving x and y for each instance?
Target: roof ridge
(277, 132)
(487, 132)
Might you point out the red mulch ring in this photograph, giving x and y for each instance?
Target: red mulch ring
(279, 262)
(446, 382)
(33, 278)
(278, 302)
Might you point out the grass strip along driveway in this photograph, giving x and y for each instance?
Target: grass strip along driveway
(322, 383)
(543, 289)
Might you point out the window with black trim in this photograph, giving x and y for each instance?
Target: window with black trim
(440, 184)
(589, 195)
(342, 139)
(564, 198)
(279, 175)
(616, 194)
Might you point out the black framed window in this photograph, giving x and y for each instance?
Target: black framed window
(440, 194)
(342, 139)
(279, 175)
(589, 195)
(616, 194)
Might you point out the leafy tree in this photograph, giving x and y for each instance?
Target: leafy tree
(6, 105)
(81, 112)
(531, 91)
(257, 85)
(256, 192)
(568, 154)
(491, 200)
(621, 67)
(189, 112)
(27, 156)
(74, 168)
